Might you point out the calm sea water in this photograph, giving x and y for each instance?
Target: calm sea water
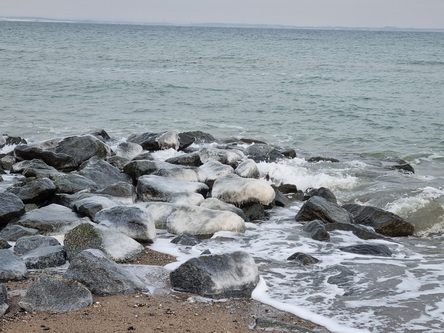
(359, 96)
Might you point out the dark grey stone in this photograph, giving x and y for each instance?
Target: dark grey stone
(91, 205)
(11, 208)
(29, 243)
(38, 191)
(201, 137)
(384, 222)
(317, 230)
(263, 153)
(119, 189)
(12, 232)
(82, 148)
(368, 249)
(103, 174)
(156, 141)
(322, 159)
(55, 294)
(59, 161)
(254, 212)
(44, 257)
(358, 230)
(217, 276)
(11, 267)
(318, 208)
(185, 140)
(35, 168)
(189, 159)
(303, 258)
(186, 239)
(321, 192)
(4, 244)
(73, 183)
(101, 275)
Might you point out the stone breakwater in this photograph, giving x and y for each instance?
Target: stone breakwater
(107, 200)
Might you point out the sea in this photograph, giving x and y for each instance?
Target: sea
(364, 97)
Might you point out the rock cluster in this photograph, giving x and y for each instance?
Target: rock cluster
(107, 203)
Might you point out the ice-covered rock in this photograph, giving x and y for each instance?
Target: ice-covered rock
(157, 141)
(157, 188)
(216, 204)
(133, 221)
(53, 218)
(318, 208)
(214, 170)
(101, 275)
(217, 276)
(116, 245)
(128, 149)
(11, 267)
(237, 190)
(247, 169)
(192, 174)
(225, 156)
(60, 295)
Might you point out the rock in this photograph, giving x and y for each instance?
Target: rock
(73, 183)
(191, 174)
(4, 244)
(358, 230)
(318, 208)
(91, 205)
(3, 299)
(303, 258)
(287, 188)
(38, 191)
(157, 141)
(185, 140)
(100, 134)
(263, 153)
(159, 212)
(157, 188)
(137, 168)
(60, 295)
(398, 164)
(368, 249)
(59, 161)
(201, 221)
(384, 222)
(322, 159)
(238, 191)
(317, 230)
(116, 245)
(12, 232)
(254, 212)
(2, 141)
(214, 170)
(82, 148)
(119, 189)
(217, 276)
(44, 257)
(145, 155)
(128, 149)
(29, 243)
(14, 140)
(216, 204)
(130, 220)
(50, 219)
(230, 157)
(247, 169)
(11, 267)
(186, 239)
(190, 159)
(35, 168)
(193, 199)
(268, 324)
(280, 199)
(118, 162)
(103, 174)
(289, 153)
(252, 141)
(321, 192)
(101, 275)
(7, 161)
(11, 208)
(201, 137)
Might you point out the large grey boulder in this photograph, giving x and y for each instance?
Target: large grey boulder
(29, 243)
(225, 156)
(103, 173)
(82, 148)
(384, 222)
(120, 190)
(368, 249)
(11, 208)
(137, 168)
(101, 275)
(201, 221)
(217, 276)
(160, 211)
(317, 230)
(73, 183)
(50, 219)
(157, 188)
(12, 232)
(157, 141)
(116, 245)
(247, 169)
(133, 221)
(216, 204)
(3, 300)
(35, 168)
(318, 208)
(214, 170)
(37, 191)
(91, 205)
(358, 230)
(55, 294)
(190, 159)
(44, 257)
(59, 161)
(239, 191)
(321, 192)
(260, 152)
(128, 150)
(188, 173)
(11, 267)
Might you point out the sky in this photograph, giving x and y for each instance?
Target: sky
(315, 13)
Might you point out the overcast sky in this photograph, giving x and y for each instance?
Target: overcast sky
(351, 13)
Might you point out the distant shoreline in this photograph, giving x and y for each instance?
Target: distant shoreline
(216, 25)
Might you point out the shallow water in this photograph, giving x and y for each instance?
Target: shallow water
(359, 96)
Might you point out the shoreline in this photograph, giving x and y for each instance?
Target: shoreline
(166, 311)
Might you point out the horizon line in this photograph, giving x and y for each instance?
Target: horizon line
(207, 24)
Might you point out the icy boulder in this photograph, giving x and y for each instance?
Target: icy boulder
(214, 170)
(217, 276)
(225, 156)
(157, 141)
(238, 191)
(118, 246)
(247, 169)
(157, 188)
